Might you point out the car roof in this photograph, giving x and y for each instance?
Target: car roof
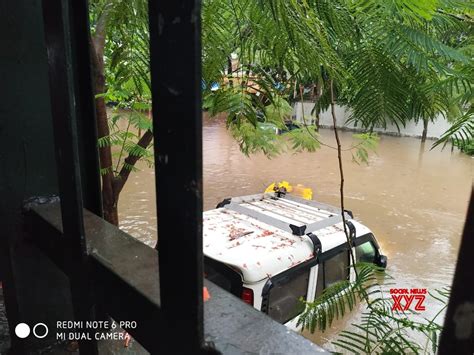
(258, 247)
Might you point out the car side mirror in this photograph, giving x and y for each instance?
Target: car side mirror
(381, 261)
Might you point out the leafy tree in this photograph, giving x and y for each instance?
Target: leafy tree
(120, 60)
(384, 60)
(387, 61)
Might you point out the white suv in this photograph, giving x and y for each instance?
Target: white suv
(271, 249)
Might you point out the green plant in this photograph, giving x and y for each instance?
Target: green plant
(465, 146)
(381, 330)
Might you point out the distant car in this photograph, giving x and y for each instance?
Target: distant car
(271, 249)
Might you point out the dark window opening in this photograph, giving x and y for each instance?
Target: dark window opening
(223, 276)
(336, 268)
(284, 297)
(332, 270)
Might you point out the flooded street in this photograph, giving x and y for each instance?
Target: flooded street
(413, 199)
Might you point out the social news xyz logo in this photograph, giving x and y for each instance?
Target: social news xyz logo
(405, 299)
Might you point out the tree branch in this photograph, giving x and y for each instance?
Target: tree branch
(341, 173)
(306, 125)
(130, 161)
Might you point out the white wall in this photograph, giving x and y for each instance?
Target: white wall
(435, 130)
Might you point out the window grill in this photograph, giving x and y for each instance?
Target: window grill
(111, 274)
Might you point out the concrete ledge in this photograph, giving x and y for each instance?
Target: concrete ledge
(236, 328)
(125, 274)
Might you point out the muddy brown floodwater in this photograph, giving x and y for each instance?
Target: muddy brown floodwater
(414, 199)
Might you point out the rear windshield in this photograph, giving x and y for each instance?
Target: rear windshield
(223, 276)
(284, 297)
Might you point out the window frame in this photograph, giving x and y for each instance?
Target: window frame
(283, 281)
(337, 251)
(326, 256)
(287, 274)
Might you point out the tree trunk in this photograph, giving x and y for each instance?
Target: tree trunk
(425, 130)
(105, 153)
(317, 96)
(131, 160)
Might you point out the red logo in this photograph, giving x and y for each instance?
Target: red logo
(405, 299)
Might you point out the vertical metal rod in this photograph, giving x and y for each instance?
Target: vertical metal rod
(175, 50)
(10, 295)
(87, 125)
(62, 62)
(457, 336)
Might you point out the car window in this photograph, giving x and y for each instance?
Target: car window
(365, 252)
(223, 276)
(332, 270)
(336, 268)
(284, 297)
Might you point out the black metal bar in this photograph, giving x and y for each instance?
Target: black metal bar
(86, 113)
(9, 291)
(175, 53)
(458, 331)
(60, 38)
(86, 120)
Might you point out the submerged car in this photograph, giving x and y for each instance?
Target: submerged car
(272, 249)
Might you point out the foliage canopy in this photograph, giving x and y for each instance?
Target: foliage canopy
(390, 61)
